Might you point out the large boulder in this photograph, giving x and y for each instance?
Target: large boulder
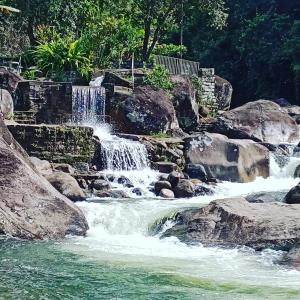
(185, 102)
(293, 196)
(42, 166)
(146, 111)
(30, 207)
(223, 93)
(232, 222)
(66, 185)
(6, 103)
(184, 189)
(211, 155)
(261, 121)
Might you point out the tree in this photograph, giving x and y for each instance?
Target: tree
(160, 16)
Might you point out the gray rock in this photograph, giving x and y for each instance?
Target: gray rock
(116, 194)
(185, 102)
(31, 208)
(233, 222)
(297, 172)
(66, 168)
(211, 155)
(159, 185)
(266, 197)
(174, 178)
(125, 181)
(101, 185)
(137, 191)
(261, 121)
(223, 93)
(6, 103)
(42, 166)
(146, 111)
(203, 191)
(165, 167)
(66, 185)
(166, 193)
(184, 189)
(293, 196)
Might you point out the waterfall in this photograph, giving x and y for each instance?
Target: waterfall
(119, 154)
(88, 104)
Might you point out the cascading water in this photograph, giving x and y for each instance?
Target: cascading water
(88, 104)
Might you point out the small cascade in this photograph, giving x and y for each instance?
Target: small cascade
(119, 154)
(88, 104)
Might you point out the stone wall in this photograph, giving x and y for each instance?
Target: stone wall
(60, 144)
(208, 85)
(49, 100)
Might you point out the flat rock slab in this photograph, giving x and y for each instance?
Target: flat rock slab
(232, 222)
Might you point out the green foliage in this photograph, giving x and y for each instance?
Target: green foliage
(160, 135)
(61, 54)
(198, 85)
(30, 74)
(170, 50)
(159, 77)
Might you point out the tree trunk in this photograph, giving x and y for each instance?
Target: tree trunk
(147, 34)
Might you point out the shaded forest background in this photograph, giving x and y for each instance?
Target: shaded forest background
(253, 44)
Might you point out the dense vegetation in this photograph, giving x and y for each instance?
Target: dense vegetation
(254, 44)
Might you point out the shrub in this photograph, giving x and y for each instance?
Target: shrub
(159, 77)
(60, 55)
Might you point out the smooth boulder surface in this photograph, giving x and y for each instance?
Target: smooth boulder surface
(6, 103)
(261, 121)
(30, 207)
(66, 185)
(42, 166)
(146, 111)
(211, 155)
(223, 93)
(185, 102)
(293, 196)
(167, 194)
(233, 222)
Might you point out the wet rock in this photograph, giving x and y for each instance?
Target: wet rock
(232, 222)
(174, 178)
(31, 208)
(42, 166)
(66, 185)
(125, 181)
(184, 189)
(261, 121)
(266, 197)
(166, 193)
(293, 196)
(137, 191)
(165, 167)
(211, 155)
(159, 185)
(203, 191)
(197, 171)
(66, 168)
(101, 185)
(293, 256)
(6, 104)
(297, 172)
(116, 194)
(223, 93)
(83, 184)
(163, 177)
